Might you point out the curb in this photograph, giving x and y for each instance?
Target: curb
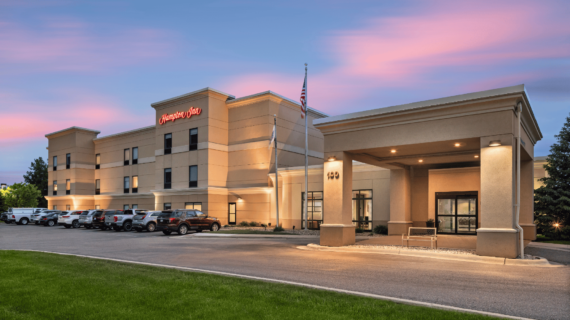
(442, 256)
(252, 236)
(299, 284)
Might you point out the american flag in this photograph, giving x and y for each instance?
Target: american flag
(304, 98)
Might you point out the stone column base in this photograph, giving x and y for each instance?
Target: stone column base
(337, 235)
(397, 228)
(498, 242)
(529, 231)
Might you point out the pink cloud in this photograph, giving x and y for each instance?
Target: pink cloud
(68, 45)
(32, 120)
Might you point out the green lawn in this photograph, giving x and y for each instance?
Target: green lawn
(48, 286)
(541, 238)
(254, 232)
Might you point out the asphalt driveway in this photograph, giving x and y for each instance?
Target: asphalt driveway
(533, 292)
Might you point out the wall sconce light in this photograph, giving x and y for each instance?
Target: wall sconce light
(495, 143)
(240, 199)
(393, 150)
(421, 160)
(332, 158)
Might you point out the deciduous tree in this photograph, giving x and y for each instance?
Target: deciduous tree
(21, 195)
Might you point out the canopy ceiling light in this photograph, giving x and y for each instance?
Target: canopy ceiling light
(457, 144)
(421, 160)
(495, 143)
(476, 156)
(333, 158)
(393, 150)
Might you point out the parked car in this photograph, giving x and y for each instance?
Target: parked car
(70, 219)
(38, 214)
(50, 219)
(182, 220)
(99, 219)
(87, 217)
(123, 219)
(146, 221)
(4, 217)
(22, 216)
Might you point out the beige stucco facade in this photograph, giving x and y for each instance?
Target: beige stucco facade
(392, 166)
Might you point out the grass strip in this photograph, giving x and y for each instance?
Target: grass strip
(49, 286)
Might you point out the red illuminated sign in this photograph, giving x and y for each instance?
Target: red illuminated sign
(179, 115)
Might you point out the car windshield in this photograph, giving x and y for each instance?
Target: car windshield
(165, 213)
(76, 213)
(84, 213)
(111, 213)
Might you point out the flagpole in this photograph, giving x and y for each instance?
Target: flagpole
(276, 172)
(306, 153)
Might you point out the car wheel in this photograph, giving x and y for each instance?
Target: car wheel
(151, 227)
(138, 230)
(24, 221)
(37, 222)
(128, 226)
(50, 223)
(8, 222)
(215, 227)
(67, 227)
(182, 230)
(166, 232)
(87, 226)
(75, 224)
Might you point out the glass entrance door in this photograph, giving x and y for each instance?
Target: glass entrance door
(456, 212)
(232, 213)
(314, 210)
(362, 209)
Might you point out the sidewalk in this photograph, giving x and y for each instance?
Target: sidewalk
(541, 262)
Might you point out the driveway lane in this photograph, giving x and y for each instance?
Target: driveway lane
(541, 293)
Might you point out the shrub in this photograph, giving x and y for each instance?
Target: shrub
(244, 224)
(380, 229)
(430, 223)
(359, 230)
(253, 224)
(278, 229)
(263, 225)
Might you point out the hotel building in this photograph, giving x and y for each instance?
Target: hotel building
(453, 160)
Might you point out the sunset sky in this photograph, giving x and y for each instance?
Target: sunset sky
(100, 64)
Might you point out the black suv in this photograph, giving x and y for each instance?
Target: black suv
(99, 218)
(182, 220)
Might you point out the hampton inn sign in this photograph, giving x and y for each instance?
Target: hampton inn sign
(179, 115)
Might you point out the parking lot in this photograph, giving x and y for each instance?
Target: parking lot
(533, 292)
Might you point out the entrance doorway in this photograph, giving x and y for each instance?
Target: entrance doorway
(232, 213)
(314, 210)
(456, 212)
(362, 209)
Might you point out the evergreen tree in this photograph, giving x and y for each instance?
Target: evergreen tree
(38, 176)
(552, 201)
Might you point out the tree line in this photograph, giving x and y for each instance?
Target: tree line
(30, 193)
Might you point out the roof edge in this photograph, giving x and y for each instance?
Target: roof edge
(269, 92)
(125, 132)
(191, 94)
(72, 128)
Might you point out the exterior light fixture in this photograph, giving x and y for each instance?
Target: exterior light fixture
(495, 143)
(421, 160)
(556, 225)
(476, 156)
(457, 144)
(393, 150)
(332, 158)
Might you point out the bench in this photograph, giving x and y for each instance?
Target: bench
(420, 234)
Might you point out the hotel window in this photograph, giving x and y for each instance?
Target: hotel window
(193, 205)
(168, 143)
(67, 207)
(167, 178)
(127, 156)
(67, 186)
(126, 185)
(68, 161)
(54, 207)
(362, 209)
(97, 186)
(194, 139)
(97, 161)
(314, 210)
(193, 177)
(167, 206)
(54, 163)
(135, 206)
(135, 155)
(55, 188)
(135, 184)
(125, 207)
(97, 207)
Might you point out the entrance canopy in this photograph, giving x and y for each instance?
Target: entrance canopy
(463, 144)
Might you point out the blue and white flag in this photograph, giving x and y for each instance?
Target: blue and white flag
(272, 137)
